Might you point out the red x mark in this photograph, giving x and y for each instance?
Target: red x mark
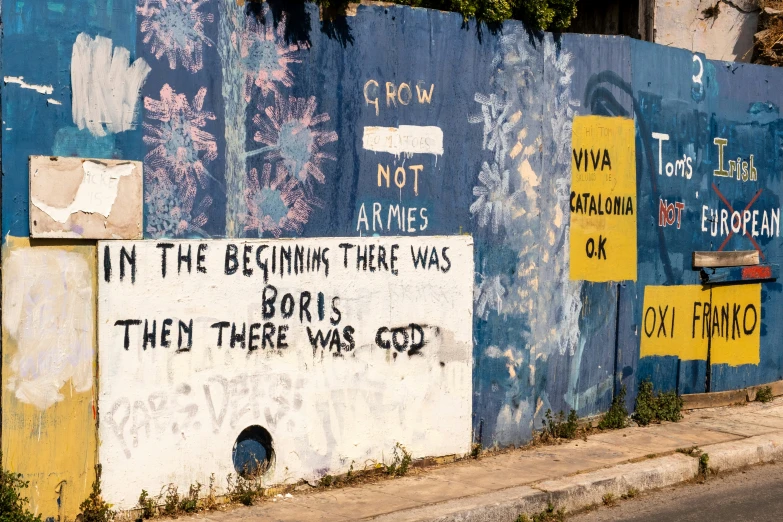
(731, 211)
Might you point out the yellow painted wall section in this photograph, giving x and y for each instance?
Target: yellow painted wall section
(736, 324)
(48, 372)
(603, 199)
(679, 321)
(667, 322)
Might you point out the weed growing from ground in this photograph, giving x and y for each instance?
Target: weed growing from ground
(558, 427)
(171, 500)
(94, 508)
(475, 450)
(548, 515)
(617, 416)
(630, 494)
(210, 501)
(147, 505)
(693, 451)
(12, 500)
(764, 394)
(669, 406)
(189, 503)
(243, 490)
(704, 465)
(652, 407)
(610, 500)
(400, 463)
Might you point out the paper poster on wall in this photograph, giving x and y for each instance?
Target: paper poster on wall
(603, 199)
(85, 198)
(338, 348)
(689, 321)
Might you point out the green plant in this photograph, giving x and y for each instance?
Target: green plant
(189, 502)
(243, 490)
(539, 14)
(617, 416)
(12, 500)
(210, 501)
(326, 481)
(475, 450)
(94, 508)
(669, 406)
(652, 407)
(547, 515)
(704, 465)
(644, 409)
(171, 500)
(147, 505)
(610, 500)
(400, 463)
(764, 394)
(558, 427)
(630, 494)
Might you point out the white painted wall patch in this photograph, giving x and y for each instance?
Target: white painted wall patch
(105, 85)
(405, 139)
(19, 80)
(339, 347)
(48, 311)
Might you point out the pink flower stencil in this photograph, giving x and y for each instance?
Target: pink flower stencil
(175, 28)
(263, 54)
(275, 205)
(290, 135)
(182, 148)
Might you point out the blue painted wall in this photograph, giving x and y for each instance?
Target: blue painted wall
(250, 125)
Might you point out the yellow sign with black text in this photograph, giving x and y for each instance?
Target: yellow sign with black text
(603, 199)
(687, 321)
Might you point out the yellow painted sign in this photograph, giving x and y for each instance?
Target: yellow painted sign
(687, 321)
(603, 199)
(735, 324)
(667, 327)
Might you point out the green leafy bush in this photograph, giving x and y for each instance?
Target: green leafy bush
(558, 427)
(704, 465)
(147, 505)
(401, 462)
(669, 406)
(13, 503)
(652, 407)
(244, 490)
(764, 394)
(94, 508)
(553, 15)
(617, 416)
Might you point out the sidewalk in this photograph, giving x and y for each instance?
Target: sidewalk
(572, 475)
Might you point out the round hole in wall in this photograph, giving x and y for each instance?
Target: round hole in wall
(253, 452)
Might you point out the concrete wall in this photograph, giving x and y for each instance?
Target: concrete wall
(720, 29)
(395, 126)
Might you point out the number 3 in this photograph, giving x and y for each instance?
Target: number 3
(697, 77)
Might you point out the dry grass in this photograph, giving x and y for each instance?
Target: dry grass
(769, 39)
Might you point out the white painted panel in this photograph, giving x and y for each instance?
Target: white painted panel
(168, 416)
(405, 139)
(48, 312)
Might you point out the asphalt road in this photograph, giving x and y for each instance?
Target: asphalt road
(754, 495)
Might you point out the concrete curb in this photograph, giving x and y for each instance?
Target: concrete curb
(728, 456)
(583, 490)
